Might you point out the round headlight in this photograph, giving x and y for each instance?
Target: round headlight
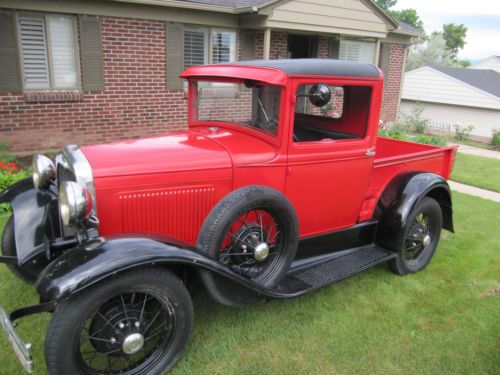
(75, 202)
(44, 171)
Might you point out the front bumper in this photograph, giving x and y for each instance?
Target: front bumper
(22, 350)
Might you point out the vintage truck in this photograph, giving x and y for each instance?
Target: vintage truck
(279, 186)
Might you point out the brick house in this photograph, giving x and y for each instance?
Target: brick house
(85, 71)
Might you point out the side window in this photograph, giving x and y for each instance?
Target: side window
(343, 117)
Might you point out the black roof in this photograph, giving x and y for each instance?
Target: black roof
(326, 67)
(484, 79)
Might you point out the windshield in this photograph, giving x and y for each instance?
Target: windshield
(250, 104)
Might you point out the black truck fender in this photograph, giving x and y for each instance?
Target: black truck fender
(36, 220)
(101, 258)
(399, 198)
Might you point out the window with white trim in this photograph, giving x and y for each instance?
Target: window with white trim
(49, 51)
(208, 46)
(356, 50)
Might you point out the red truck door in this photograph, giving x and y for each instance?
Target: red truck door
(330, 155)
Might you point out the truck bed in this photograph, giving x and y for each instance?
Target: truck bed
(395, 156)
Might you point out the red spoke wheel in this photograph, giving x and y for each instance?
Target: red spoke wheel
(254, 232)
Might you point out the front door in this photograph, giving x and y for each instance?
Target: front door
(329, 158)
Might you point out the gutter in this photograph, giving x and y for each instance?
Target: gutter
(197, 6)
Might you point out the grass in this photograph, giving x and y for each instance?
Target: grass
(477, 171)
(443, 320)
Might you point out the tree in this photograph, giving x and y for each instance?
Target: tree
(454, 35)
(386, 4)
(408, 16)
(432, 51)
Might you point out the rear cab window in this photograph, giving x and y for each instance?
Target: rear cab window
(344, 117)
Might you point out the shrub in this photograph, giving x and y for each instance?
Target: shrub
(10, 174)
(462, 132)
(414, 119)
(434, 140)
(495, 140)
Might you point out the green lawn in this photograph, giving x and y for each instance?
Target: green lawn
(477, 171)
(444, 320)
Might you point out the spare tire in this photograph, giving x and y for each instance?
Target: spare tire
(253, 231)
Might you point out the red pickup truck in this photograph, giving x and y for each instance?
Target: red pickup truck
(278, 187)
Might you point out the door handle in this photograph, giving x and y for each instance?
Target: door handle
(370, 152)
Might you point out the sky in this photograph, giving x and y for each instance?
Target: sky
(482, 18)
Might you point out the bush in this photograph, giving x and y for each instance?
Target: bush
(462, 132)
(434, 140)
(414, 119)
(495, 140)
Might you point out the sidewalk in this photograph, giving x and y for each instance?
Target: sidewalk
(467, 189)
(479, 152)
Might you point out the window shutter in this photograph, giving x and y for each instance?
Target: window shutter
(333, 48)
(248, 45)
(34, 52)
(195, 47)
(175, 55)
(91, 54)
(10, 80)
(386, 58)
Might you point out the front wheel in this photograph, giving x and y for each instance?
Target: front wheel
(420, 238)
(136, 323)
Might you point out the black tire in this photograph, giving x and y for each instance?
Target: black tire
(65, 336)
(416, 250)
(221, 221)
(9, 249)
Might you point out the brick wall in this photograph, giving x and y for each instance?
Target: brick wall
(279, 45)
(392, 84)
(135, 102)
(323, 47)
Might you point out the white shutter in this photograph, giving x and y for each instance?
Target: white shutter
(223, 47)
(34, 52)
(195, 47)
(63, 52)
(357, 51)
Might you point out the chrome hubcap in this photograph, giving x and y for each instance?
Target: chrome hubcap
(261, 251)
(427, 240)
(133, 343)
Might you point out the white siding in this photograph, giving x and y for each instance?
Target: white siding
(492, 62)
(484, 120)
(334, 16)
(428, 85)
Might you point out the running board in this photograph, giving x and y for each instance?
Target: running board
(310, 274)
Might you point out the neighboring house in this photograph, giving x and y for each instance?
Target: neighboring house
(492, 62)
(455, 96)
(85, 71)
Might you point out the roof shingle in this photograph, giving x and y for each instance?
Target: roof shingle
(484, 79)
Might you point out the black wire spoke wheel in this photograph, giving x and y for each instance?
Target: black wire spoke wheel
(135, 323)
(127, 333)
(253, 244)
(419, 238)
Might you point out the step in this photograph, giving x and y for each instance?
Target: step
(325, 271)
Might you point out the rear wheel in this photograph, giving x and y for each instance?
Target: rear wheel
(9, 249)
(137, 323)
(420, 238)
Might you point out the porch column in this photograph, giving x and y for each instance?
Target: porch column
(267, 44)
